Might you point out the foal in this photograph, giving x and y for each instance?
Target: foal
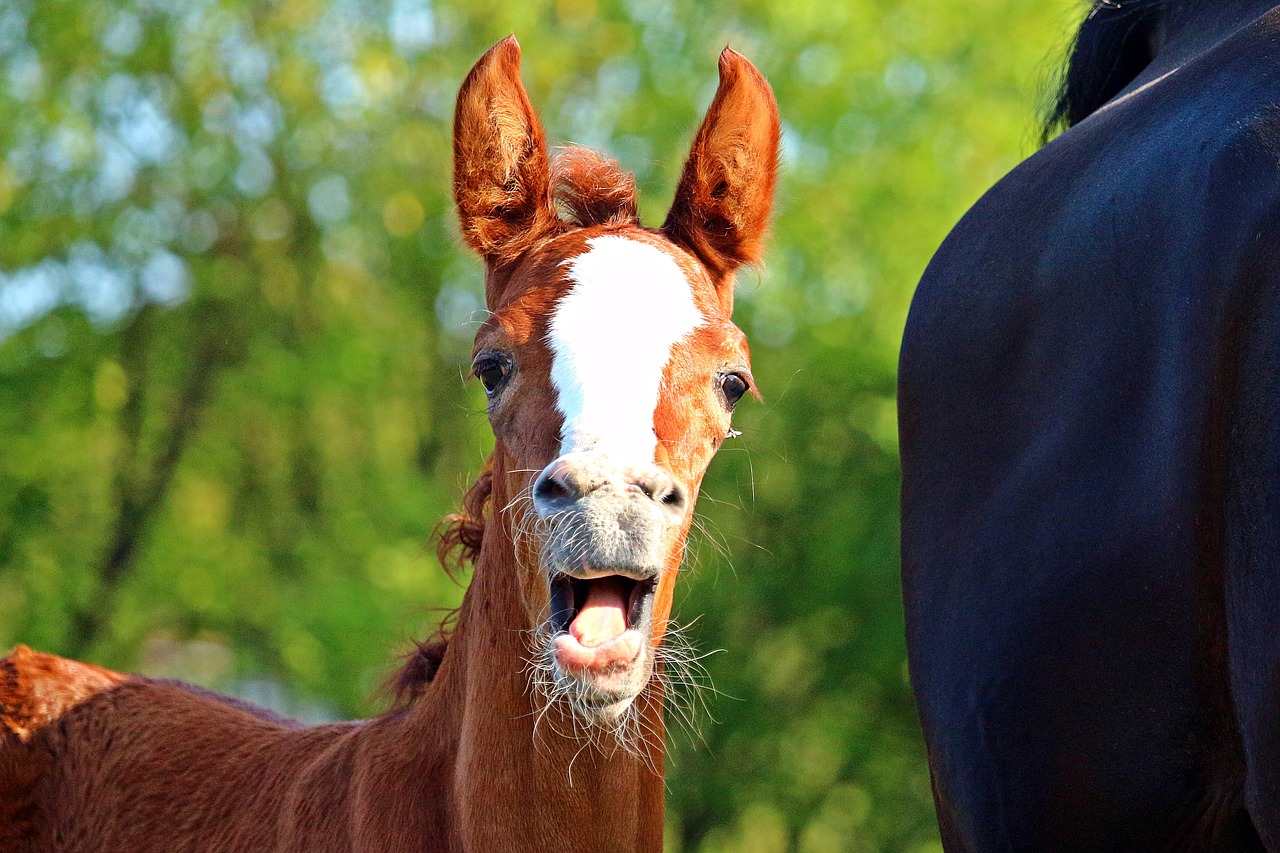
(611, 368)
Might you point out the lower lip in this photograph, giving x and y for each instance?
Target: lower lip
(620, 653)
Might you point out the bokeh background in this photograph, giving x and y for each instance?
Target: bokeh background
(235, 320)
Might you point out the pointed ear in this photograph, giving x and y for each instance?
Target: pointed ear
(501, 180)
(722, 203)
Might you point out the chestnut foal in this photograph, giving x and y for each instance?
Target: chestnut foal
(611, 368)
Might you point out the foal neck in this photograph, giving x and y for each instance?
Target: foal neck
(527, 777)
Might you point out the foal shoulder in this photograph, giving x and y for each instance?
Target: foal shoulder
(37, 688)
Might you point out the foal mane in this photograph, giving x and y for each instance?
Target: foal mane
(588, 188)
(459, 536)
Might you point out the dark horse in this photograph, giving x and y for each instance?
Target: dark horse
(1090, 416)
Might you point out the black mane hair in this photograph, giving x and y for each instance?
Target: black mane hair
(1112, 46)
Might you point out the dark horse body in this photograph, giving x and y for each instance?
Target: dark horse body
(1090, 416)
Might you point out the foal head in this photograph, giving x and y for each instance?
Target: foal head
(609, 360)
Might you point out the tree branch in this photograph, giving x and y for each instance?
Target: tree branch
(141, 498)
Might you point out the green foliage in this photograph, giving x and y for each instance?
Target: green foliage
(234, 320)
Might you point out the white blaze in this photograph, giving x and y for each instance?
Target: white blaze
(611, 339)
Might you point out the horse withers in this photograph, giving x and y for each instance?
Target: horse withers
(611, 368)
(1090, 424)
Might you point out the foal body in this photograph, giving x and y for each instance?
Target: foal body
(159, 765)
(612, 368)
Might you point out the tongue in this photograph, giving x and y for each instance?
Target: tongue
(603, 617)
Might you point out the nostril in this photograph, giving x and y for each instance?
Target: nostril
(674, 498)
(551, 489)
(664, 490)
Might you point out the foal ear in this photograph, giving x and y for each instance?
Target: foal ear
(501, 181)
(722, 203)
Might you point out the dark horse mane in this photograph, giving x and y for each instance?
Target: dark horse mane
(1110, 49)
(587, 188)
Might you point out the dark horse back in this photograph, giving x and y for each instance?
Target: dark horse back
(1090, 417)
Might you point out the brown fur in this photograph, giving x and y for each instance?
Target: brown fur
(461, 534)
(469, 760)
(501, 178)
(593, 190)
(722, 203)
(38, 688)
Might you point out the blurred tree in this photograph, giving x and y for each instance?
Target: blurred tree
(234, 321)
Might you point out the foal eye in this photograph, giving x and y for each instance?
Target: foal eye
(733, 386)
(491, 372)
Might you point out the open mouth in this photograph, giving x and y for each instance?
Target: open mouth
(600, 624)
